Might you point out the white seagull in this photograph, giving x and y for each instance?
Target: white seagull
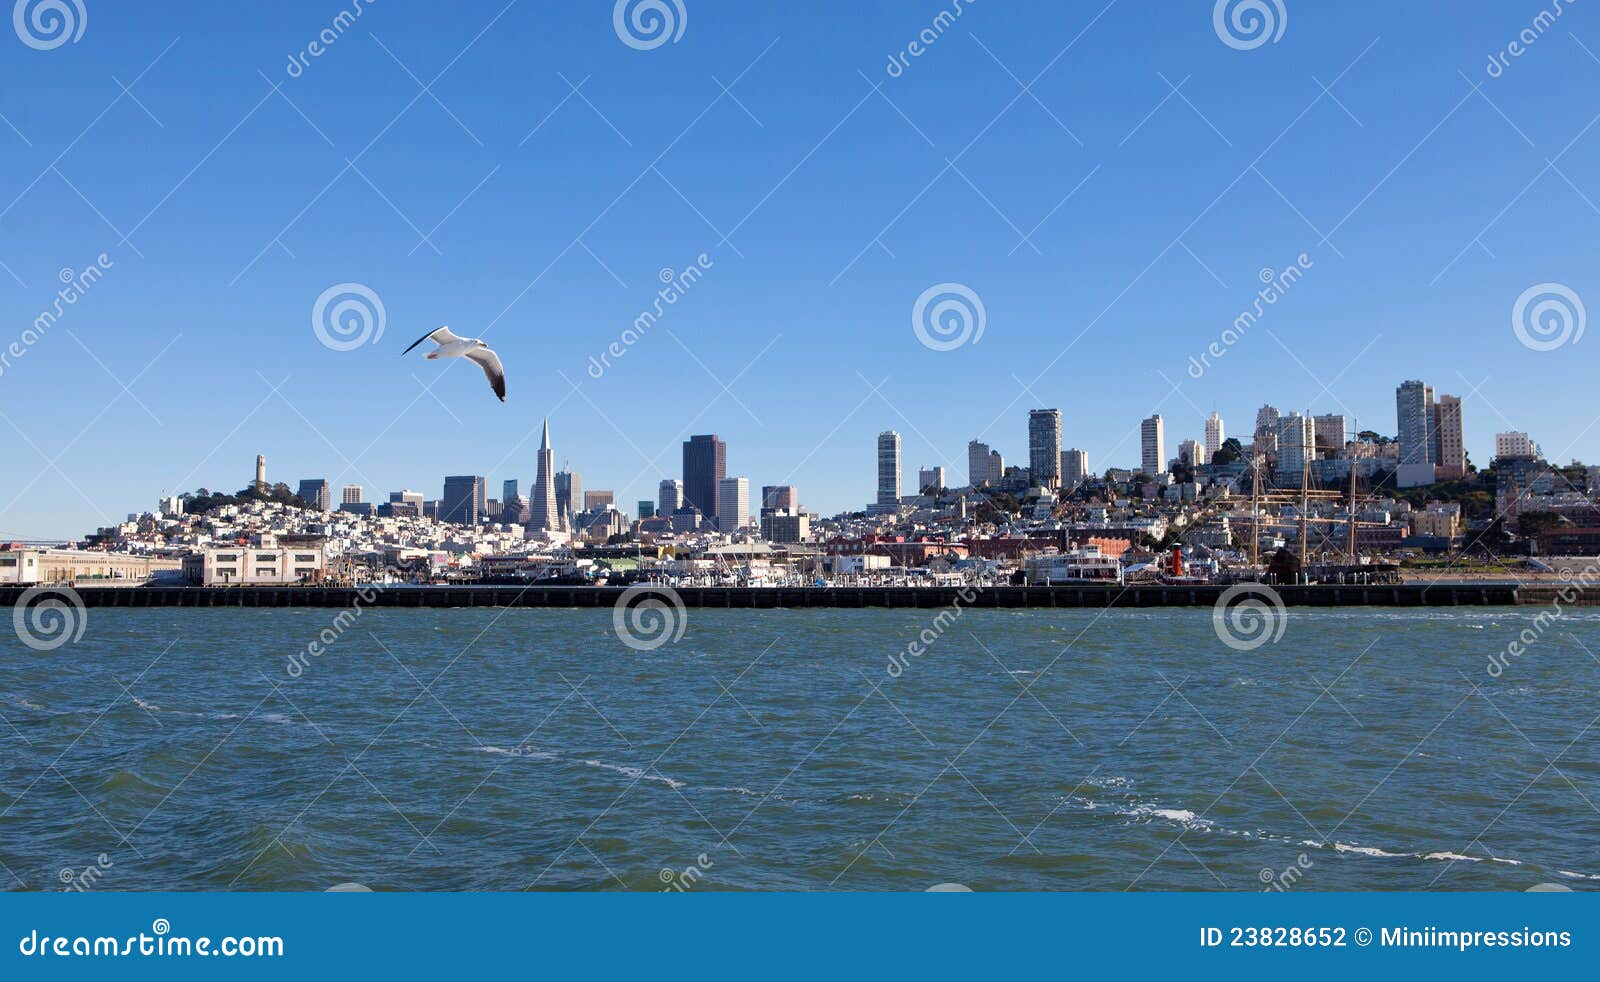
(451, 346)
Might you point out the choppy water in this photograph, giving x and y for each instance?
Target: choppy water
(513, 749)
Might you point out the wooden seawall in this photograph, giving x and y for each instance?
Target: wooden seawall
(1400, 595)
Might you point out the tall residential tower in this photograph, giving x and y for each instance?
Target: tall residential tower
(888, 469)
(1214, 436)
(1044, 447)
(1153, 446)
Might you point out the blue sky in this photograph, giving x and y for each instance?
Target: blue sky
(1111, 227)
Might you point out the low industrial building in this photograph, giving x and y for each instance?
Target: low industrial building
(271, 564)
(25, 566)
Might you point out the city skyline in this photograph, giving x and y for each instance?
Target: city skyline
(810, 239)
(1292, 438)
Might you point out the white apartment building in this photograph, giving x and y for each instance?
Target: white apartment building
(1509, 445)
(1153, 445)
(1215, 436)
(1074, 467)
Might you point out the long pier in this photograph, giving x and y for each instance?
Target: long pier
(763, 598)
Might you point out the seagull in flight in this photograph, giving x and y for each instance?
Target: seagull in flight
(450, 346)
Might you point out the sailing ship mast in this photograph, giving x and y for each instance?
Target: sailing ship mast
(1305, 490)
(1351, 544)
(1255, 506)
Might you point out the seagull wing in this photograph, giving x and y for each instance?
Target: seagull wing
(491, 369)
(439, 335)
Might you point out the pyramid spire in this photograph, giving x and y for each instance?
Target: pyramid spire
(544, 515)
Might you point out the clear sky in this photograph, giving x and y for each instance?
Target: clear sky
(1114, 217)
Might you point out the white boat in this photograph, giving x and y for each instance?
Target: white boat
(1086, 564)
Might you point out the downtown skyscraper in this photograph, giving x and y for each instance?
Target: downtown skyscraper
(669, 496)
(316, 493)
(464, 501)
(705, 464)
(569, 498)
(733, 504)
(543, 515)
